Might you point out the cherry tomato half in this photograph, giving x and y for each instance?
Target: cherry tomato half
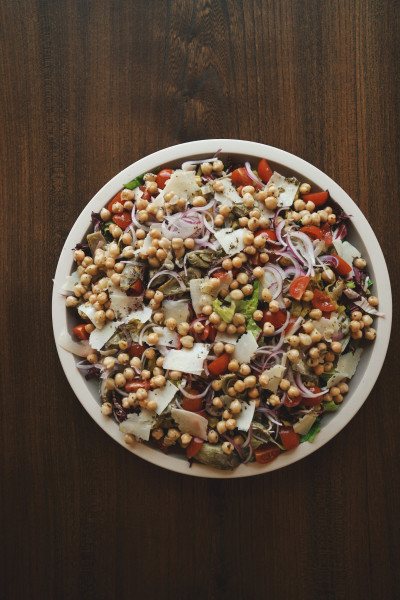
(327, 234)
(268, 234)
(136, 288)
(299, 286)
(266, 453)
(241, 177)
(292, 402)
(313, 401)
(312, 231)
(123, 220)
(136, 384)
(193, 404)
(116, 199)
(80, 332)
(343, 267)
(136, 350)
(322, 301)
(319, 198)
(264, 170)
(277, 319)
(194, 446)
(289, 438)
(209, 333)
(162, 177)
(220, 364)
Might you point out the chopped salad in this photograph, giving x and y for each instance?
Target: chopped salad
(221, 309)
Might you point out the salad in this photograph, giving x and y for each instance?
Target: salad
(221, 309)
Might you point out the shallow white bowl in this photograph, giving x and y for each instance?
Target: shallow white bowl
(360, 233)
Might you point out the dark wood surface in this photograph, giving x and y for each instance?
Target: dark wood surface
(87, 87)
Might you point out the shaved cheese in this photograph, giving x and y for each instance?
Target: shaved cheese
(231, 241)
(189, 422)
(120, 303)
(143, 315)
(163, 396)
(183, 184)
(275, 375)
(230, 195)
(347, 363)
(99, 337)
(89, 310)
(187, 361)
(195, 294)
(207, 188)
(245, 348)
(348, 252)
(147, 243)
(245, 417)
(327, 327)
(166, 337)
(176, 309)
(81, 348)
(70, 281)
(335, 379)
(287, 186)
(139, 425)
(227, 338)
(304, 425)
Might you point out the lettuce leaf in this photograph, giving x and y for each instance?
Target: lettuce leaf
(310, 436)
(247, 307)
(330, 406)
(137, 182)
(225, 312)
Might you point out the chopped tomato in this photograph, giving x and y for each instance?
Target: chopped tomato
(266, 453)
(162, 177)
(136, 350)
(195, 403)
(146, 194)
(220, 274)
(327, 233)
(343, 267)
(268, 234)
(312, 231)
(123, 220)
(136, 288)
(292, 402)
(289, 326)
(137, 384)
(116, 199)
(289, 438)
(313, 401)
(220, 364)
(318, 198)
(80, 332)
(241, 177)
(194, 446)
(299, 286)
(264, 170)
(276, 318)
(322, 301)
(240, 190)
(209, 333)
(326, 315)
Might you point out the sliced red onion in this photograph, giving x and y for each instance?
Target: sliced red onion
(279, 276)
(191, 396)
(296, 326)
(305, 391)
(269, 414)
(252, 176)
(328, 258)
(187, 164)
(362, 303)
(134, 219)
(122, 392)
(237, 448)
(277, 214)
(304, 251)
(171, 274)
(278, 231)
(143, 330)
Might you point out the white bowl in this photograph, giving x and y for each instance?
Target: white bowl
(360, 233)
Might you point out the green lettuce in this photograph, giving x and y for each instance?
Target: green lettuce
(247, 307)
(330, 406)
(225, 312)
(310, 436)
(137, 182)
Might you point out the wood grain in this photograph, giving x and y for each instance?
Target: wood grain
(86, 88)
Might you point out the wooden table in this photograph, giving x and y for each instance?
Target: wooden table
(86, 89)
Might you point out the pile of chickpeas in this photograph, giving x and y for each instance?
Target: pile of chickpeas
(96, 273)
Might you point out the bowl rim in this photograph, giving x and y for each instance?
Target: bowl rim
(206, 148)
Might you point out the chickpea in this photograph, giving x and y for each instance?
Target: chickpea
(236, 295)
(305, 188)
(274, 400)
(328, 275)
(187, 341)
(258, 315)
(334, 391)
(306, 220)
(273, 306)
(106, 409)
(212, 436)
(207, 310)
(219, 186)
(308, 326)
(336, 347)
(158, 433)
(266, 295)
(250, 381)
(370, 333)
(173, 434)
(248, 237)
(258, 272)
(360, 263)
(71, 301)
(158, 381)
(175, 375)
(221, 427)
(293, 392)
(343, 387)
(268, 329)
(271, 202)
(227, 448)
(373, 300)
(247, 289)
(206, 168)
(293, 356)
(233, 366)
(229, 348)
(235, 407)
(331, 219)
(263, 380)
(183, 328)
(218, 165)
(153, 339)
(305, 339)
(356, 315)
(222, 326)
(231, 329)
(315, 314)
(231, 424)
(314, 352)
(319, 369)
(217, 402)
(239, 386)
(120, 380)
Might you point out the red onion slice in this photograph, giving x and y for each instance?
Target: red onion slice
(278, 231)
(134, 219)
(305, 391)
(188, 163)
(171, 274)
(252, 176)
(362, 303)
(191, 396)
(284, 325)
(279, 276)
(142, 332)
